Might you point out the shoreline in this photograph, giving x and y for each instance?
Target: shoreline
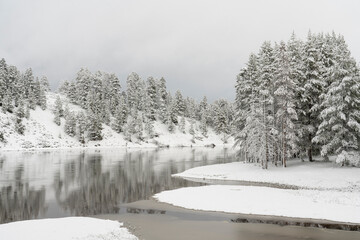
(224, 146)
(150, 219)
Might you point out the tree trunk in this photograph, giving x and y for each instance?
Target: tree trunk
(310, 149)
(284, 153)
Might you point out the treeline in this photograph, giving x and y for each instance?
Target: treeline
(20, 92)
(134, 111)
(298, 98)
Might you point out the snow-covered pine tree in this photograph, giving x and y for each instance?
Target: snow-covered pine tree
(340, 118)
(285, 96)
(179, 104)
(114, 92)
(27, 111)
(58, 111)
(70, 124)
(94, 126)
(221, 118)
(182, 125)
(313, 88)
(170, 117)
(266, 90)
(245, 92)
(83, 81)
(42, 98)
(203, 123)
(152, 101)
(45, 83)
(20, 114)
(149, 127)
(3, 79)
(81, 126)
(71, 93)
(161, 99)
(134, 91)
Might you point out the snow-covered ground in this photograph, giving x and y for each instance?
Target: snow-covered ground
(324, 190)
(71, 228)
(316, 204)
(42, 133)
(313, 175)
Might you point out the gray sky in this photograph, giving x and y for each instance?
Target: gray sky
(199, 46)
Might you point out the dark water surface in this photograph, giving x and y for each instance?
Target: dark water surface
(63, 183)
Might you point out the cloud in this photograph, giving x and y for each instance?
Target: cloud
(198, 46)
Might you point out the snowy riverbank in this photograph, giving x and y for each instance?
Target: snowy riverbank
(319, 190)
(313, 175)
(41, 132)
(80, 228)
(312, 204)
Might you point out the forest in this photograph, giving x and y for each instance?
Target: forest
(298, 99)
(293, 99)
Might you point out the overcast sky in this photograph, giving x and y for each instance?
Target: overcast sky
(199, 46)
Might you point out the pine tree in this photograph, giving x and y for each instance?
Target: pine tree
(120, 116)
(70, 124)
(94, 127)
(83, 82)
(179, 104)
(58, 111)
(203, 124)
(162, 99)
(134, 91)
(182, 125)
(285, 94)
(340, 116)
(19, 126)
(45, 83)
(149, 127)
(313, 87)
(81, 126)
(152, 97)
(27, 111)
(3, 79)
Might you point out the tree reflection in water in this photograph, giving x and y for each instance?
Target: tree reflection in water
(89, 183)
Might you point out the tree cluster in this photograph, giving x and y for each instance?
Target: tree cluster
(133, 112)
(298, 98)
(20, 92)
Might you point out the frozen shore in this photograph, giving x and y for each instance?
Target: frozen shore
(319, 190)
(80, 228)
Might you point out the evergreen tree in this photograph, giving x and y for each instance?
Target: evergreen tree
(313, 87)
(81, 126)
(182, 125)
(179, 104)
(285, 94)
(162, 99)
(70, 124)
(152, 97)
(58, 111)
(94, 127)
(134, 91)
(340, 116)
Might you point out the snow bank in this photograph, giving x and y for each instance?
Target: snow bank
(319, 175)
(79, 228)
(315, 204)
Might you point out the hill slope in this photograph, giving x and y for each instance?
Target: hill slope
(42, 132)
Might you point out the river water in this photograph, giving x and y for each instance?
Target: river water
(63, 183)
(118, 184)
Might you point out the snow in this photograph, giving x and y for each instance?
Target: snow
(316, 175)
(71, 228)
(315, 204)
(42, 133)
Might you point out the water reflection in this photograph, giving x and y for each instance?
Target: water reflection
(92, 182)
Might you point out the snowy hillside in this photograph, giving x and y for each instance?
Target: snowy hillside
(42, 132)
